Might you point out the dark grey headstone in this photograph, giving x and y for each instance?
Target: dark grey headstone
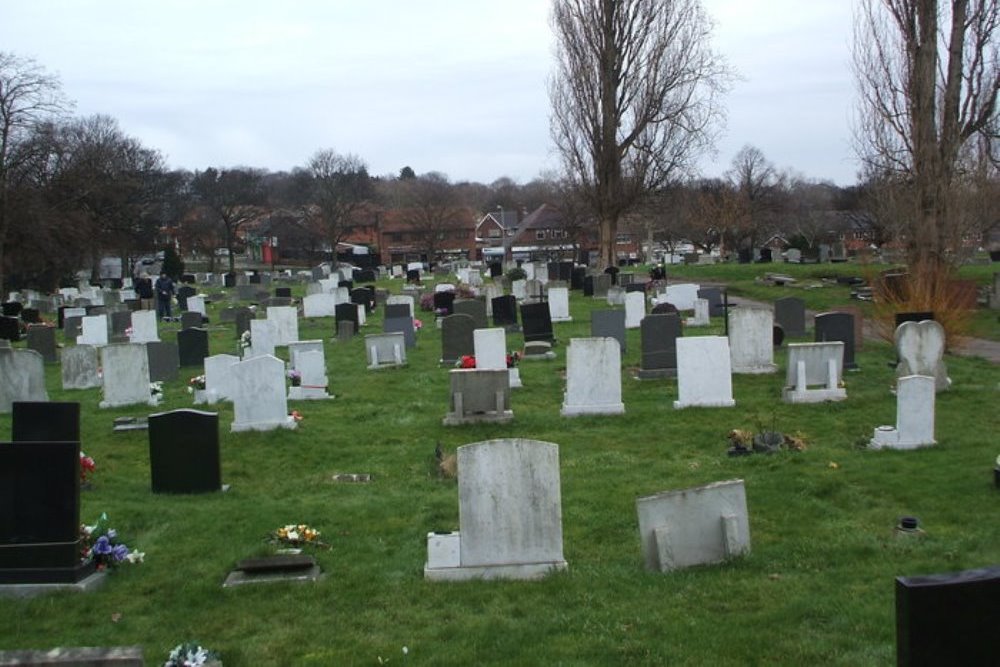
(475, 308)
(577, 278)
(242, 319)
(363, 296)
(396, 310)
(10, 329)
(602, 283)
(714, 297)
(182, 296)
(444, 303)
(42, 339)
(283, 292)
(536, 322)
(504, 311)
(247, 292)
(191, 320)
(71, 327)
(609, 323)
(45, 421)
(834, 327)
(192, 346)
(790, 314)
(948, 619)
(366, 276)
(11, 308)
(403, 324)
(164, 361)
(457, 337)
(659, 335)
(184, 452)
(346, 312)
(346, 330)
(119, 321)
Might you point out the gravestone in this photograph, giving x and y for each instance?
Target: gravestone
(31, 316)
(920, 349)
(914, 416)
(479, 396)
(164, 361)
(635, 309)
(319, 305)
(456, 338)
(345, 331)
(790, 315)
(347, 313)
(704, 374)
(577, 278)
(192, 346)
(283, 292)
(837, 326)
(311, 363)
(79, 367)
(191, 320)
(42, 339)
(474, 308)
(120, 321)
(714, 297)
(609, 323)
(144, 328)
(659, 334)
(948, 618)
(10, 329)
(184, 452)
(681, 295)
(263, 335)
(385, 350)
(505, 312)
(403, 325)
(286, 321)
(519, 288)
(814, 373)
(588, 285)
(602, 283)
(40, 513)
(363, 296)
(397, 310)
(182, 294)
(701, 314)
(219, 378)
(751, 340)
(491, 353)
(93, 330)
(246, 292)
(593, 378)
(536, 324)
(510, 514)
(125, 376)
(697, 526)
(22, 377)
(399, 300)
(616, 296)
(242, 318)
(258, 394)
(196, 304)
(45, 421)
(559, 304)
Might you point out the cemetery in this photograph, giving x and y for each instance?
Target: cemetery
(606, 523)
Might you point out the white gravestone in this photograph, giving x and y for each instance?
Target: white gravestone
(385, 350)
(914, 428)
(701, 318)
(22, 377)
(682, 296)
(311, 364)
(510, 514)
(751, 340)
(263, 338)
(702, 525)
(125, 376)
(920, 348)
(319, 305)
(259, 402)
(79, 367)
(286, 321)
(144, 327)
(559, 304)
(704, 376)
(490, 347)
(93, 330)
(196, 304)
(519, 288)
(593, 378)
(218, 378)
(635, 309)
(814, 372)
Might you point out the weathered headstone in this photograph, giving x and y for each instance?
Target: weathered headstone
(559, 304)
(593, 378)
(479, 396)
(920, 348)
(219, 378)
(22, 377)
(311, 364)
(263, 335)
(79, 367)
(385, 350)
(914, 416)
(144, 329)
(319, 305)
(814, 372)
(704, 374)
(635, 309)
(93, 330)
(259, 401)
(751, 336)
(125, 376)
(184, 452)
(286, 322)
(164, 361)
(42, 339)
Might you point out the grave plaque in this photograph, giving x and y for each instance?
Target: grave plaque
(184, 452)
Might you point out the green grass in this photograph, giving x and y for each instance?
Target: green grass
(816, 587)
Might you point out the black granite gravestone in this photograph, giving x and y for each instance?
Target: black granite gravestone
(457, 338)
(192, 346)
(475, 308)
(229, 280)
(837, 326)
(183, 293)
(609, 323)
(11, 308)
(242, 318)
(948, 619)
(396, 310)
(714, 297)
(505, 311)
(10, 329)
(40, 513)
(790, 313)
(412, 276)
(164, 361)
(444, 303)
(45, 421)
(366, 276)
(588, 285)
(31, 316)
(346, 312)
(190, 320)
(658, 335)
(496, 269)
(536, 322)
(184, 452)
(576, 278)
(363, 297)
(283, 292)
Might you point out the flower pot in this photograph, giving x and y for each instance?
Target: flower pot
(767, 442)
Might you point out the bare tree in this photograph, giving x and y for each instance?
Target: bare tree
(928, 78)
(634, 99)
(28, 95)
(434, 213)
(233, 196)
(757, 190)
(340, 189)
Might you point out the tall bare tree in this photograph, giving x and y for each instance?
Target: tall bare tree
(28, 95)
(434, 213)
(340, 188)
(928, 75)
(234, 198)
(634, 99)
(757, 194)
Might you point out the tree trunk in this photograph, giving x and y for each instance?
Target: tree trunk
(608, 234)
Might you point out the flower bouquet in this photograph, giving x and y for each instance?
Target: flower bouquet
(296, 536)
(466, 361)
(245, 341)
(296, 377)
(197, 382)
(191, 654)
(87, 468)
(101, 544)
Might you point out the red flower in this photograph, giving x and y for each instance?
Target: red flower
(467, 361)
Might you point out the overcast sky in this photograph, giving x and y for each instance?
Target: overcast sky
(455, 86)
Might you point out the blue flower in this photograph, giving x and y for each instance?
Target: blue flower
(102, 546)
(120, 552)
(112, 533)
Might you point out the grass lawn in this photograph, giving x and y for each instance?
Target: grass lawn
(817, 586)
